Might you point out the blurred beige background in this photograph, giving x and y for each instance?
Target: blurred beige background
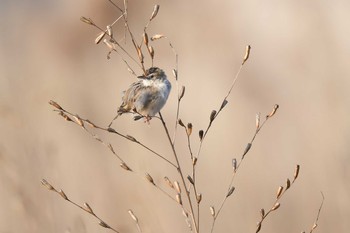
(300, 60)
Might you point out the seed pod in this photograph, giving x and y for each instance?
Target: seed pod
(234, 164)
(279, 191)
(247, 53)
(287, 184)
(177, 187)
(223, 104)
(190, 180)
(296, 172)
(157, 37)
(86, 20)
(103, 224)
(182, 92)
(168, 182)
(125, 167)
(109, 30)
(257, 120)
(230, 191)
(110, 46)
(145, 38)
(151, 51)
(150, 179)
(247, 148)
(212, 211)
(88, 208)
(199, 198)
(262, 213)
(132, 215)
(155, 12)
(189, 129)
(175, 73)
(276, 206)
(63, 195)
(201, 134)
(273, 111)
(178, 198)
(181, 123)
(47, 184)
(56, 105)
(212, 115)
(78, 120)
(258, 227)
(194, 161)
(131, 138)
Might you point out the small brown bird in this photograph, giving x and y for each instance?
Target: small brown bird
(147, 96)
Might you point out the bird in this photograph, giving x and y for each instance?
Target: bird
(147, 96)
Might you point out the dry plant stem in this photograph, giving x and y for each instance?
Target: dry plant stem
(87, 209)
(129, 31)
(225, 99)
(132, 139)
(276, 204)
(177, 90)
(314, 226)
(234, 175)
(180, 173)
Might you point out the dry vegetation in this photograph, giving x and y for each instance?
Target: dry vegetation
(183, 189)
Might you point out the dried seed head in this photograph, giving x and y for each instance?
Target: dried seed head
(132, 215)
(151, 51)
(63, 195)
(182, 92)
(201, 134)
(247, 53)
(67, 118)
(181, 123)
(178, 198)
(157, 37)
(190, 179)
(131, 138)
(109, 45)
(109, 30)
(150, 179)
(168, 182)
(247, 148)
(287, 184)
(78, 120)
(185, 213)
(88, 208)
(212, 211)
(223, 104)
(103, 224)
(125, 167)
(230, 191)
(262, 213)
(145, 38)
(212, 115)
(314, 226)
(199, 198)
(279, 191)
(273, 111)
(234, 164)
(296, 172)
(111, 130)
(56, 105)
(257, 120)
(258, 227)
(86, 20)
(189, 129)
(177, 187)
(47, 184)
(155, 12)
(140, 54)
(276, 206)
(194, 161)
(175, 73)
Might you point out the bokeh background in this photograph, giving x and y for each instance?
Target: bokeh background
(300, 60)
